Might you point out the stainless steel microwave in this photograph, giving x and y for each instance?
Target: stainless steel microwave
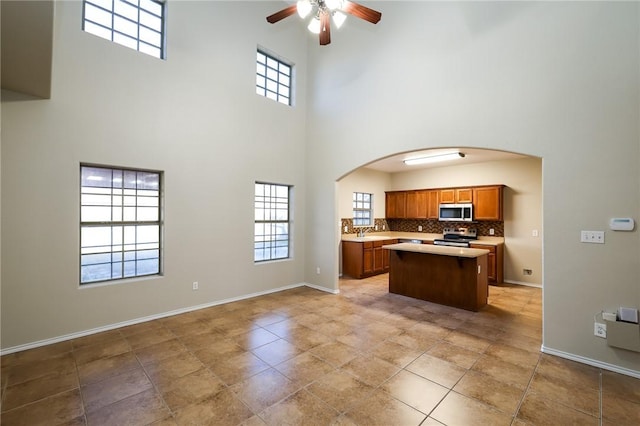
(456, 212)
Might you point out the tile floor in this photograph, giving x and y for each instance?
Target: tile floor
(363, 357)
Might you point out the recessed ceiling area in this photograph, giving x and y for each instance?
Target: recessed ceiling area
(395, 164)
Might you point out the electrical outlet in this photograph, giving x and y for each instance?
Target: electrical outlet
(492, 231)
(383, 227)
(318, 270)
(376, 227)
(194, 286)
(600, 330)
(419, 228)
(346, 228)
(534, 233)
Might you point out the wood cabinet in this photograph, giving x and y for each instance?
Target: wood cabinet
(448, 280)
(395, 205)
(364, 259)
(487, 203)
(456, 195)
(367, 258)
(425, 203)
(416, 204)
(433, 204)
(495, 263)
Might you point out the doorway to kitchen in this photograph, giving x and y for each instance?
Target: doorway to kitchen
(521, 224)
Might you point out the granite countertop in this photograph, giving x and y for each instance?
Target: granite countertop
(438, 250)
(379, 236)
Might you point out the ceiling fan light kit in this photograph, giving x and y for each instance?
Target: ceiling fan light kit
(323, 11)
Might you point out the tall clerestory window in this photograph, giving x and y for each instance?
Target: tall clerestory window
(137, 24)
(273, 78)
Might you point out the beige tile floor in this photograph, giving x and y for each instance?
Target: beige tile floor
(305, 357)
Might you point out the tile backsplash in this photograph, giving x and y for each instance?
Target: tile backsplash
(429, 226)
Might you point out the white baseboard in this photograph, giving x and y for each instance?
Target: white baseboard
(76, 335)
(592, 362)
(536, 285)
(325, 289)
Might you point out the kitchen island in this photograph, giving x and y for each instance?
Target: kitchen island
(450, 276)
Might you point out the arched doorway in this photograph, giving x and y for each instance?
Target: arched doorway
(521, 226)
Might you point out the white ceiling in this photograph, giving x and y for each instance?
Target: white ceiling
(394, 163)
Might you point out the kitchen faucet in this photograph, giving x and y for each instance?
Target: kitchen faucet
(361, 232)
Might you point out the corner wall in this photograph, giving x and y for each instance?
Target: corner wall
(197, 118)
(554, 80)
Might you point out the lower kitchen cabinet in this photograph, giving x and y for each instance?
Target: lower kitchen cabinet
(364, 259)
(495, 261)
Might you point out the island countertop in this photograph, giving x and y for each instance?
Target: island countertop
(424, 237)
(439, 250)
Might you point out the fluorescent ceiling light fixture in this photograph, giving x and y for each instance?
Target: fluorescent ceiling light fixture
(434, 158)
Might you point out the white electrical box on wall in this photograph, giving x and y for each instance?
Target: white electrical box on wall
(621, 224)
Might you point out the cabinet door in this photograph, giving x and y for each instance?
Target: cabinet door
(464, 195)
(491, 267)
(395, 207)
(416, 204)
(447, 196)
(378, 256)
(433, 203)
(352, 254)
(367, 260)
(491, 261)
(386, 253)
(487, 203)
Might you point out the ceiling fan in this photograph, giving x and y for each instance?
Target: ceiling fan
(323, 10)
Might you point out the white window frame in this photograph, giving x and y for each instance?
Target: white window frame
(362, 209)
(274, 77)
(272, 222)
(120, 223)
(136, 24)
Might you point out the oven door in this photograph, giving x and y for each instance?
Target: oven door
(452, 243)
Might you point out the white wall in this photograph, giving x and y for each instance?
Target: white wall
(363, 180)
(557, 80)
(194, 116)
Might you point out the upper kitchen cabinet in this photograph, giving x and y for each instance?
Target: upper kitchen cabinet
(487, 203)
(433, 204)
(456, 195)
(416, 204)
(395, 205)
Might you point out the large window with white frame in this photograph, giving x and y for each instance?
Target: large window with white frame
(137, 24)
(272, 222)
(362, 209)
(273, 78)
(120, 223)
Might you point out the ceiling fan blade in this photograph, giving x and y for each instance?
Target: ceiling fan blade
(362, 12)
(325, 29)
(284, 13)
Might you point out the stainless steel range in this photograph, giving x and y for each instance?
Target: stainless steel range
(457, 237)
